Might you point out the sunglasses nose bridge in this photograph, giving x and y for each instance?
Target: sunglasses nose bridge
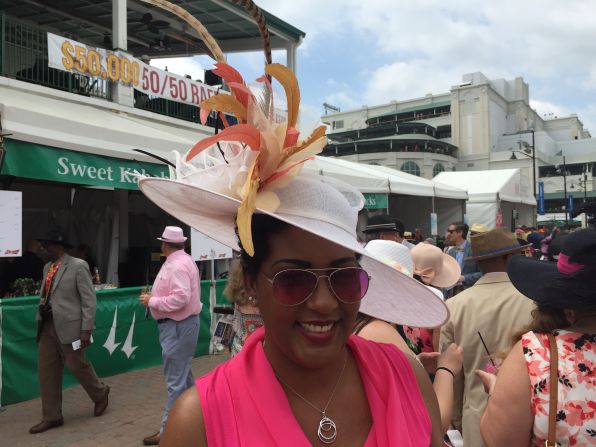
(328, 282)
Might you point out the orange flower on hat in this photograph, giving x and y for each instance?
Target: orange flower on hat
(278, 154)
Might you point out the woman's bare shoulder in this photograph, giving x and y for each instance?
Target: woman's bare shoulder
(383, 332)
(185, 426)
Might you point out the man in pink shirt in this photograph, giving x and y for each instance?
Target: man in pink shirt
(175, 304)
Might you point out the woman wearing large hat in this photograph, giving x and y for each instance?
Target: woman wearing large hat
(561, 343)
(302, 379)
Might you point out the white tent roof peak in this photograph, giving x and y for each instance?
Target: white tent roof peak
(510, 185)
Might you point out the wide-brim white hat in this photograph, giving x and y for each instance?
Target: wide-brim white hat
(312, 204)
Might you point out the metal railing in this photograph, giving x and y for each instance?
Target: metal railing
(24, 56)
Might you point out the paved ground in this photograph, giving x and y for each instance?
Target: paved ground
(136, 404)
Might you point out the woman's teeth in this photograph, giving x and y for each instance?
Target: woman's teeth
(316, 327)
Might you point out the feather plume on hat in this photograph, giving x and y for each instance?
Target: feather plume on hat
(258, 154)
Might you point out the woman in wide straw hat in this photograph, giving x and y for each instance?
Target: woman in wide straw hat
(301, 379)
(518, 410)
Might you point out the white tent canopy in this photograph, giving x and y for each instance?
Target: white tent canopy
(491, 192)
(381, 179)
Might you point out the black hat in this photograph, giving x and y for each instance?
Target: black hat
(55, 238)
(569, 283)
(383, 222)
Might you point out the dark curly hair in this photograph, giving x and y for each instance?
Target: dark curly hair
(263, 227)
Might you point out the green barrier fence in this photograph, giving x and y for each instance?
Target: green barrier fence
(123, 340)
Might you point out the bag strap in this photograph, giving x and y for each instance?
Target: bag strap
(554, 381)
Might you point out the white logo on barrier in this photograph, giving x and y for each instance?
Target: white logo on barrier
(110, 343)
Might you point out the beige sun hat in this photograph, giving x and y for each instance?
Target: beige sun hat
(478, 228)
(435, 267)
(254, 167)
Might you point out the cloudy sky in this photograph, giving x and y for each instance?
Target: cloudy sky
(370, 52)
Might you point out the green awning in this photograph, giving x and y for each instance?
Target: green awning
(35, 161)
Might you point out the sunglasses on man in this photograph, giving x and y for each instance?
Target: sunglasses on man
(293, 287)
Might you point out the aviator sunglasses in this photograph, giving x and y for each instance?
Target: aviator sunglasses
(292, 287)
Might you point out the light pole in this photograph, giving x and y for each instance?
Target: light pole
(583, 183)
(531, 155)
(565, 200)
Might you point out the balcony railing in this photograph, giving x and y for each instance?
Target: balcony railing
(24, 56)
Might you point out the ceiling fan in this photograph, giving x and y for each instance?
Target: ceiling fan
(153, 25)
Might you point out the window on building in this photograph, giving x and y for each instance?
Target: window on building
(338, 124)
(411, 168)
(438, 168)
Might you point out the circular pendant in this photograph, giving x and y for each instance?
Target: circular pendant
(327, 431)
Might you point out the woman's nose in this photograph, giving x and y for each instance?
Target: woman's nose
(323, 299)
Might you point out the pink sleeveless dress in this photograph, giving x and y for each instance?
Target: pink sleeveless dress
(243, 404)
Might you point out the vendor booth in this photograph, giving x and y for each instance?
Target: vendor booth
(496, 198)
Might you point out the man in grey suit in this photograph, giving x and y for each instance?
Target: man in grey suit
(66, 315)
(461, 249)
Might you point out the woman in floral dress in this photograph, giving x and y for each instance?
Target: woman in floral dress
(517, 413)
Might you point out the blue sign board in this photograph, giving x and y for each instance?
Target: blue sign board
(541, 198)
(570, 203)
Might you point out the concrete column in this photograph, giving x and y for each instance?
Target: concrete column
(122, 204)
(121, 94)
(291, 57)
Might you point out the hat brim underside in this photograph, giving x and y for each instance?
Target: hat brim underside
(392, 296)
(532, 277)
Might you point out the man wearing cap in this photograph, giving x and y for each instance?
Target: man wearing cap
(66, 317)
(385, 227)
(493, 308)
(175, 304)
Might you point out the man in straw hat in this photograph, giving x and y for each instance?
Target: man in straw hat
(175, 304)
(489, 312)
(478, 228)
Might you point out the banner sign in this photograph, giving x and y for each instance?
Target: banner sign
(118, 66)
(11, 223)
(541, 210)
(570, 203)
(434, 227)
(203, 248)
(499, 220)
(35, 161)
(123, 339)
(375, 201)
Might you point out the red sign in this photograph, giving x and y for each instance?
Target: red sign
(499, 220)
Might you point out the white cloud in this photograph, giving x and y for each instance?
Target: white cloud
(407, 80)
(181, 66)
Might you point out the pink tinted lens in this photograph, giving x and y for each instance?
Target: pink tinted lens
(292, 287)
(349, 284)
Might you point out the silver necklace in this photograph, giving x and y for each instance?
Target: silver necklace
(327, 431)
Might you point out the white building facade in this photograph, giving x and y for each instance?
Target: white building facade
(480, 124)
